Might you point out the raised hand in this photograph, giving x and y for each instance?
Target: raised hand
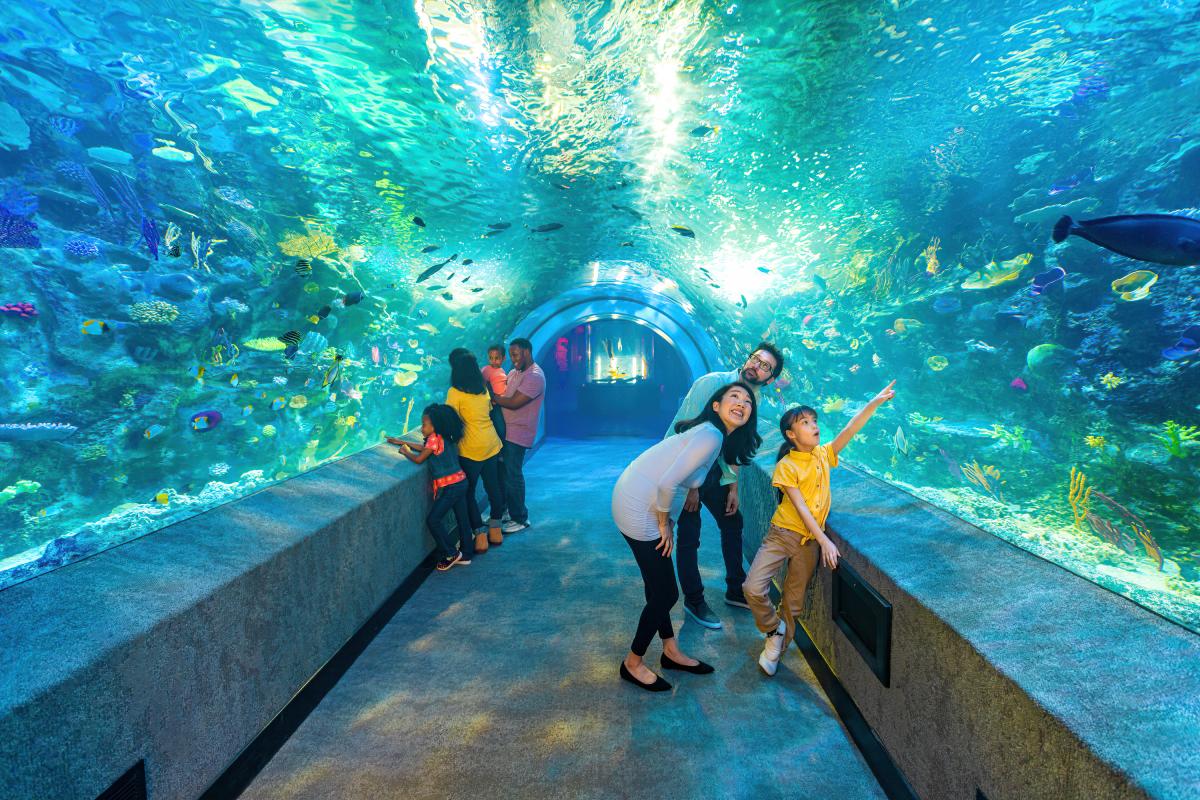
(885, 394)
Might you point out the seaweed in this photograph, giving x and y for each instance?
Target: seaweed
(1175, 436)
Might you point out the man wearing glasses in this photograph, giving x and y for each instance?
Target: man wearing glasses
(718, 494)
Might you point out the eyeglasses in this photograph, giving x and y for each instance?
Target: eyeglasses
(759, 364)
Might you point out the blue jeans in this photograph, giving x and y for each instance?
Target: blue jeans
(451, 498)
(687, 542)
(514, 481)
(489, 470)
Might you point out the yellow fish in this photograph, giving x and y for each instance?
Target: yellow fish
(95, 327)
(995, 274)
(162, 498)
(425, 326)
(233, 379)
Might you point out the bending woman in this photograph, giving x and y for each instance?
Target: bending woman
(642, 504)
(479, 450)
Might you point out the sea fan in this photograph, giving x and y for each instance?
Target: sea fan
(17, 231)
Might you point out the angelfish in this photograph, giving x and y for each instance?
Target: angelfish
(1157, 238)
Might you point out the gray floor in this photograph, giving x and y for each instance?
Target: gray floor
(499, 680)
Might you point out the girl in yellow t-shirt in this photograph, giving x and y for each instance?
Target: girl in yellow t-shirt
(797, 533)
(479, 450)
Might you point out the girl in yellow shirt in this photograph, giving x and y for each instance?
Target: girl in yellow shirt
(797, 533)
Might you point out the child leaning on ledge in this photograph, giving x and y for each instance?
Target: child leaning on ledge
(797, 532)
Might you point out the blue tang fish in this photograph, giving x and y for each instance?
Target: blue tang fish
(1157, 238)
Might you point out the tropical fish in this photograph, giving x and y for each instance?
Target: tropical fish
(152, 431)
(234, 380)
(200, 373)
(764, 270)
(205, 421)
(1044, 280)
(96, 327)
(685, 231)
(995, 274)
(475, 309)
(490, 234)
(429, 248)
(1187, 346)
(23, 311)
(900, 442)
(447, 296)
(703, 130)
(334, 372)
(1019, 384)
(352, 299)
(1158, 238)
(303, 267)
(549, 226)
(278, 403)
(291, 337)
(466, 262)
(420, 223)
(500, 226)
(1136, 285)
(162, 498)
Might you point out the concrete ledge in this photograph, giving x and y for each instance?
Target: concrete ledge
(178, 648)
(1009, 675)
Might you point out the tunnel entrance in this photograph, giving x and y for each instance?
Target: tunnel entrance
(611, 377)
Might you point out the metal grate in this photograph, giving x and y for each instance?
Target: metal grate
(130, 786)
(865, 617)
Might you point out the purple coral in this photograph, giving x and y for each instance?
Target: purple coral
(16, 231)
(82, 248)
(150, 236)
(20, 202)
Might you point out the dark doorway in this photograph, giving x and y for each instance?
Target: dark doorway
(611, 377)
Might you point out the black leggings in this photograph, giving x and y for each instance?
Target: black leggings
(489, 469)
(662, 593)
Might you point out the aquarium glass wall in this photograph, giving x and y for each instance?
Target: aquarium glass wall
(239, 239)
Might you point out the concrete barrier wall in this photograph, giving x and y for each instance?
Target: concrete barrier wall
(178, 648)
(1009, 675)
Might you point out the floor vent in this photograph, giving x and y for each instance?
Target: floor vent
(130, 786)
(865, 617)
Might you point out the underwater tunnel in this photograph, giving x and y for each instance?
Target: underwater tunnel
(244, 244)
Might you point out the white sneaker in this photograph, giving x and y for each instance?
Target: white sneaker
(768, 661)
(514, 527)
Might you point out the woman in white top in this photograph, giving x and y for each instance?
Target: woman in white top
(642, 505)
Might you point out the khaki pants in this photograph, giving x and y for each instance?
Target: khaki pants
(780, 546)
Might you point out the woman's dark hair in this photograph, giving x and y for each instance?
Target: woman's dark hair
(464, 372)
(785, 423)
(775, 353)
(445, 420)
(741, 445)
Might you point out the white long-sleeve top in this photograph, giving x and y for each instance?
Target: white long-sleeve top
(652, 482)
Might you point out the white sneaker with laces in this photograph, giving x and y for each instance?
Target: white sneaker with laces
(768, 661)
(514, 527)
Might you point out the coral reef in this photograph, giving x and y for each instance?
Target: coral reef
(154, 312)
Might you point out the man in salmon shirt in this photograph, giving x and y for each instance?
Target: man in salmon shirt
(522, 403)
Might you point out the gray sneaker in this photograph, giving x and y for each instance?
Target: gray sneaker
(512, 526)
(702, 614)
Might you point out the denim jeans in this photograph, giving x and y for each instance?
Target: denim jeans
(514, 481)
(687, 543)
(451, 498)
(489, 470)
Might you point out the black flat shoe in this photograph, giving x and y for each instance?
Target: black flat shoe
(659, 684)
(700, 669)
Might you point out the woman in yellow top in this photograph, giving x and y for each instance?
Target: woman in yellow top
(479, 449)
(797, 533)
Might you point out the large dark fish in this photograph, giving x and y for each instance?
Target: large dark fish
(549, 226)
(429, 273)
(429, 248)
(499, 226)
(420, 223)
(1157, 238)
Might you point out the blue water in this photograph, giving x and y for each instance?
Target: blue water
(189, 188)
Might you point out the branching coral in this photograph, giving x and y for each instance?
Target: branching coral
(979, 475)
(1139, 527)
(1080, 496)
(1009, 438)
(1175, 436)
